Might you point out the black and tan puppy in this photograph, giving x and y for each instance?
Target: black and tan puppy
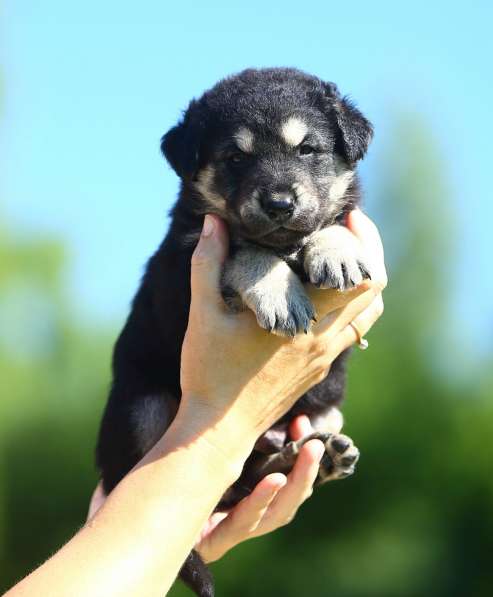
(273, 152)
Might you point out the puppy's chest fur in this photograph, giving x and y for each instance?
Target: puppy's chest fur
(292, 256)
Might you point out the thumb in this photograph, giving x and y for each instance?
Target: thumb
(367, 233)
(208, 259)
(365, 230)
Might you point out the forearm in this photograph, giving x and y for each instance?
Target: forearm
(136, 544)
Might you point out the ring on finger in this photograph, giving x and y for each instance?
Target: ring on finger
(362, 342)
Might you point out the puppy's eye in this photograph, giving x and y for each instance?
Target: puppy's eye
(236, 158)
(306, 149)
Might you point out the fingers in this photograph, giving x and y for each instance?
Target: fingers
(336, 334)
(273, 503)
(251, 510)
(298, 488)
(364, 307)
(207, 260)
(364, 322)
(244, 519)
(300, 427)
(337, 320)
(328, 300)
(366, 231)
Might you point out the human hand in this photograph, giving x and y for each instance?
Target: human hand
(368, 234)
(272, 504)
(233, 371)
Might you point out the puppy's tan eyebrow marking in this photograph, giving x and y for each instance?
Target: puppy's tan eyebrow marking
(293, 131)
(244, 139)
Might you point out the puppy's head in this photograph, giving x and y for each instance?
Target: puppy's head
(272, 151)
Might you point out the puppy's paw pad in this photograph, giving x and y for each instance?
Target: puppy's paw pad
(339, 460)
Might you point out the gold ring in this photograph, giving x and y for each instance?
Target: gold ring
(362, 342)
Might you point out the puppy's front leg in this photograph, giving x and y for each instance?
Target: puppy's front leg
(333, 258)
(266, 284)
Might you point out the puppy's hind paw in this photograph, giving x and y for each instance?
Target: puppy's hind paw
(339, 460)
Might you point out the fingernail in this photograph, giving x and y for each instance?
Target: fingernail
(208, 227)
(271, 492)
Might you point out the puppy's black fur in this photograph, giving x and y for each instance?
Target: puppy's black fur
(273, 152)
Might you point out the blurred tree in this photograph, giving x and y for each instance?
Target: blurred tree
(52, 388)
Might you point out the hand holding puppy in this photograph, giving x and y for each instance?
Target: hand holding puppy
(265, 374)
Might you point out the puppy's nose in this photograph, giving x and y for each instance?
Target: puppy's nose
(278, 208)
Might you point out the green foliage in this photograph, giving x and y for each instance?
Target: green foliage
(53, 378)
(416, 519)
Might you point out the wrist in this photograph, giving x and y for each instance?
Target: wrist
(222, 439)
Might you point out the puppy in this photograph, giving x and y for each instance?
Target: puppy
(273, 153)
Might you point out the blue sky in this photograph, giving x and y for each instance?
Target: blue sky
(90, 88)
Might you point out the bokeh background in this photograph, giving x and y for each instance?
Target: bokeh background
(87, 90)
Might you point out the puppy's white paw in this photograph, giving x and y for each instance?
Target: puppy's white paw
(258, 279)
(333, 259)
(283, 313)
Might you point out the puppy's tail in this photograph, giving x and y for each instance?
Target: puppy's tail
(195, 574)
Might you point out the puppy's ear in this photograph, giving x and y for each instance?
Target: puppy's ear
(181, 144)
(356, 131)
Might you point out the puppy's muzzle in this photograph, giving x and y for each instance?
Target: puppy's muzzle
(279, 208)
